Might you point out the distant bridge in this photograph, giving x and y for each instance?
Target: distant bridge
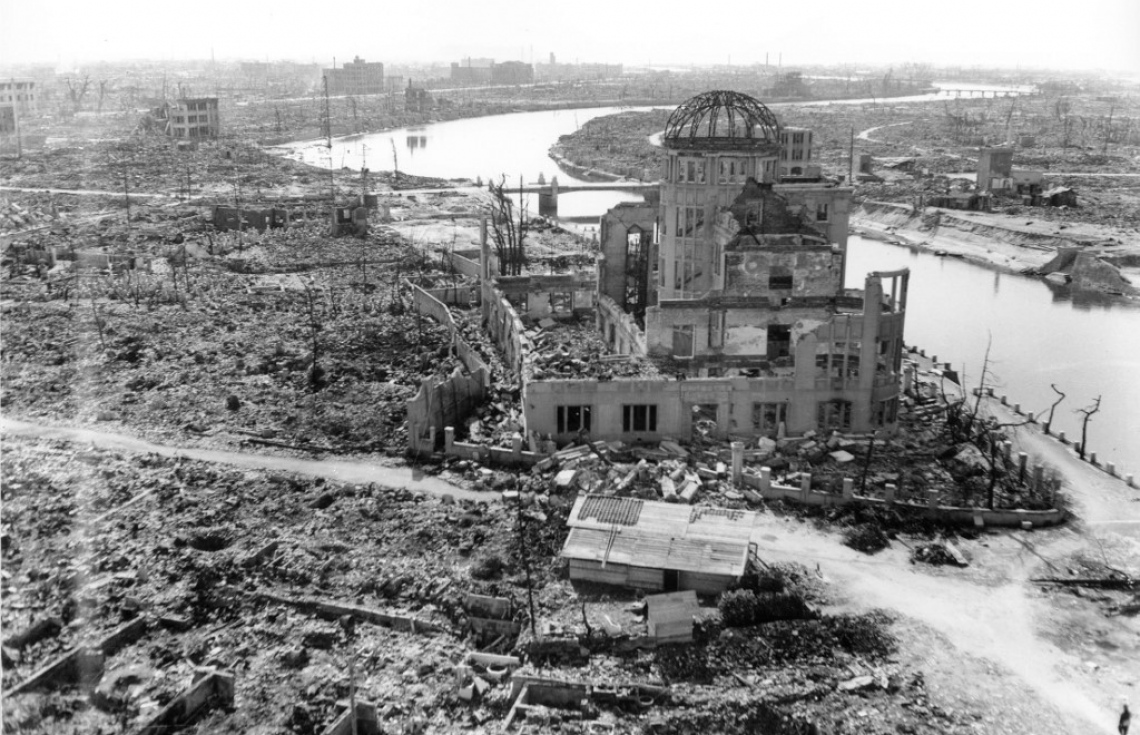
(555, 190)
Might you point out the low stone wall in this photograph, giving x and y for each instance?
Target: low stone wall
(1008, 517)
(465, 262)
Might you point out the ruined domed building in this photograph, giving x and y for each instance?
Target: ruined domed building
(718, 304)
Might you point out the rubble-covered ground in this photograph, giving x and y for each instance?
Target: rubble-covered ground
(94, 538)
(217, 333)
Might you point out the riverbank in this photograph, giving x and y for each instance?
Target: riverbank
(1002, 242)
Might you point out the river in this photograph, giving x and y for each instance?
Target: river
(1040, 333)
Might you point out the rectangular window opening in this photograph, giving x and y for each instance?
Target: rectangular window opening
(572, 419)
(639, 417)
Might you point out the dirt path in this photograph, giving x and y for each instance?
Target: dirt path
(989, 621)
(351, 471)
(1001, 627)
(866, 134)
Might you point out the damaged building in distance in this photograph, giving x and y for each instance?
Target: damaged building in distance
(720, 302)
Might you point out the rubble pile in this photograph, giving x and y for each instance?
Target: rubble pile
(572, 350)
(15, 216)
(222, 564)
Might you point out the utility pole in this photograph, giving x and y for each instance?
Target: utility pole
(127, 195)
(328, 144)
(851, 160)
(519, 515)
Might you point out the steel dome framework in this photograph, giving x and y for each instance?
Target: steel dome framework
(721, 118)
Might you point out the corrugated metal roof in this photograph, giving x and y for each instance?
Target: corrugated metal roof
(633, 547)
(622, 511)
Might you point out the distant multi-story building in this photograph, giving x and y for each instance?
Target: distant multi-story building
(555, 72)
(193, 119)
(356, 77)
(512, 72)
(19, 92)
(472, 71)
(416, 99)
(795, 153)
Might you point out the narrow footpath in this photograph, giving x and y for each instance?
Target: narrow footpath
(340, 470)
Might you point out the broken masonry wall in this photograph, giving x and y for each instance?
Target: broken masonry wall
(438, 405)
(465, 262)
(828, 208)
(814, 272)
(673, 401)
(615, 228)
(620, 329)
(448, 402)
(738, 332)
(506, 329)
(555, 297)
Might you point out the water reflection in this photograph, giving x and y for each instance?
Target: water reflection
(1040, 333)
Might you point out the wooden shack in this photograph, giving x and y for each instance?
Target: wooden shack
(670, 616)
(657, 546)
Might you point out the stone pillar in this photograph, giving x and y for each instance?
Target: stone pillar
(737, 462)
(1061, 436)
(891, 491)
(1092, 458)
(516, 447)
(848, 488)
(1032, 417)
(765, 479)
(448, 439)
(932, 499)
(805, 487)
(1022, 461)
(1111, 467)
(1007, 450)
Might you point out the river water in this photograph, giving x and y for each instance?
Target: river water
(1040, 333)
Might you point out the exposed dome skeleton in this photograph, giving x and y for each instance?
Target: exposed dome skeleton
(721, 117)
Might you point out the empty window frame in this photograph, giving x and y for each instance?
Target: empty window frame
(691, 170)
(767, 417)
(834, 415)
(780, 278)
(690, 221)
(779, 341)
(562, 303)
(682, 340)
(821, 214)
(572, 419)
(716, 329)
(639, 417)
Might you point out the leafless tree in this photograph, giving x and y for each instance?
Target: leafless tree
(76, 93)
(1049, 422)
(508, 228)
(1088, 413)
(316, 372)
(103, 89)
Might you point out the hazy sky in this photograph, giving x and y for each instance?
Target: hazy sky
(1085, 34)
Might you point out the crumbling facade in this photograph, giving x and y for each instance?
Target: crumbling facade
(20, 93)
(193, 119)
(718, 307)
